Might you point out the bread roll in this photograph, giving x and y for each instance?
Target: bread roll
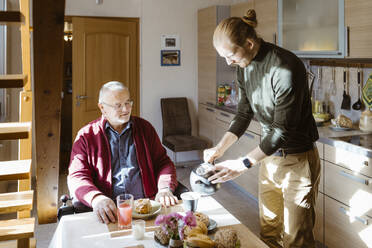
(142, 206)
(202, 217)
(343, 121)
(200, 240)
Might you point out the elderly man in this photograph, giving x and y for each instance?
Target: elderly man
(119, 153)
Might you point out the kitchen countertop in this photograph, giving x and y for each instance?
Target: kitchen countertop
(330, 137)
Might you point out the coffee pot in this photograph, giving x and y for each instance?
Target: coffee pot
(199, 180)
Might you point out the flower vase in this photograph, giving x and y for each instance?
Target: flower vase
(175, 243)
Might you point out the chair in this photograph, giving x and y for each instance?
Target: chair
(177, 127)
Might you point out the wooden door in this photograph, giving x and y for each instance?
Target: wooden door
(267, 16)
(104, 49)
(358, 19)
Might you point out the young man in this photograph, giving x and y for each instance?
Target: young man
(273, 88)
(119, 153)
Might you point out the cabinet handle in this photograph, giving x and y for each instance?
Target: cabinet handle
(210, 110)
(209, 103)
(249, 135)
(365, 163)
(274, 38)
(354, 178)
(226, 115)
(346, 212)
(348, 41)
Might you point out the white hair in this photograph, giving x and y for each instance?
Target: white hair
(111, 86)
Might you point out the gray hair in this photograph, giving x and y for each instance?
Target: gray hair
(110, 86)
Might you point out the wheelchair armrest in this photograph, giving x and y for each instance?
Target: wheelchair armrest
(180, 189)
(76, 207)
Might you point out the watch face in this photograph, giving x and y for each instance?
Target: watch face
(247, 163)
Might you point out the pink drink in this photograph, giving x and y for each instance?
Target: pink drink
(125, 215)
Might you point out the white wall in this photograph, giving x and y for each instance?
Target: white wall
(158, 17)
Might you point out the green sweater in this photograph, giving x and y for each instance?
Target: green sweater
(273, 88)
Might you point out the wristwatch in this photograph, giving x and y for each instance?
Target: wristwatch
(247, 163)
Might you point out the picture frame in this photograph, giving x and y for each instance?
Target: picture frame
(170, 57)
(170, 42)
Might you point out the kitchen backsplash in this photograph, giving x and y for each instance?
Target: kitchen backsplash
(335, 99)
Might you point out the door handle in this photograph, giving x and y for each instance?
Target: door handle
(210, 110)
(79, 98)
(346, 212)
(354, 178)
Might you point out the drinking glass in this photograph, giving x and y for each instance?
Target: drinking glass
(190, 201)
(124, 210)
(138, 229)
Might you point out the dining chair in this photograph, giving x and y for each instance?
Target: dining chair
(177, 135)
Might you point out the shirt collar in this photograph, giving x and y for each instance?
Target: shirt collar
(129, 125)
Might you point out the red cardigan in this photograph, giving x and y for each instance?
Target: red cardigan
(90, 162)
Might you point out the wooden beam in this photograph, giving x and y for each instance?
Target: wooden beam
(16, 201)
(48, 21)
(12, 81)
(25, 145)
(14, 130)
(17, 229)
(10, 17)
(15, 170)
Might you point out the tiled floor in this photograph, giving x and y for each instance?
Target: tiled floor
(240, 204)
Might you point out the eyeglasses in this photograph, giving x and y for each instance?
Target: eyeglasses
(119, 106)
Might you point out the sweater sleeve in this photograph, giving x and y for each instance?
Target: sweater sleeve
(245, 114)
(80, 177)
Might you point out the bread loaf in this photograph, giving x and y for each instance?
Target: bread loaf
(343, 121)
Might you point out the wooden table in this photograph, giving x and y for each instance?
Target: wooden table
(84, 230)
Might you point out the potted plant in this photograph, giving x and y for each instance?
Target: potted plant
(174, 225)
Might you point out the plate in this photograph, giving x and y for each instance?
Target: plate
(212, 225)
(339, 129)
(155, 209)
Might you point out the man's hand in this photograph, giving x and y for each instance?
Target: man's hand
(227, 170)
(212, 154)
(166, 198)
(104, 208)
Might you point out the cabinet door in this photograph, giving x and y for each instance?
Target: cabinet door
(207, 67)
(219, 131)
(207, 118)
(358, 19)
(249, 180)
(319, 219)
(239, 9)
(342, 230)
(267, 18)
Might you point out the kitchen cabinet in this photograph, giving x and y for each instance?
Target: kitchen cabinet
(212, 69)
(358, 20)
(347, 198)
(266, 11)
(239, 9)
(312, 29)
(206, 118)
(267, 18)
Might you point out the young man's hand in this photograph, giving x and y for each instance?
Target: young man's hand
(104, 208)
(166, 197)
(227, 170)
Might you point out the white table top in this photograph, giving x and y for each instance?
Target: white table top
(84, 230)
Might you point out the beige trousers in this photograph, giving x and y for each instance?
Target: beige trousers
(288, 188)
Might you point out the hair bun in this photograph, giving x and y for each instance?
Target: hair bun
(250, 18)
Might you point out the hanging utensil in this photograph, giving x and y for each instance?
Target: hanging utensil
(332, 83)
(345, 104)
(358, 104)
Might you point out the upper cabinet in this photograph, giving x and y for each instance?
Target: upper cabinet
(212, 69)
(267, 18)
(358, 20)
(312, 29)
(266, 11)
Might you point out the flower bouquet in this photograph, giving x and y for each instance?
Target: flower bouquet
(174, 224)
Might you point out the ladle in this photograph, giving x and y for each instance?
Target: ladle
(358, 104)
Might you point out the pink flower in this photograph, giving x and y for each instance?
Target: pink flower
(189, 219)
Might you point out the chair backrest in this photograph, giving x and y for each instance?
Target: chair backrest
(176, 117)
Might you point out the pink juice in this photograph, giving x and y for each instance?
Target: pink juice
(124, 214)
